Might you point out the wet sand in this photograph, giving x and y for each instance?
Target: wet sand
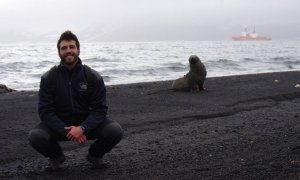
(241, 127)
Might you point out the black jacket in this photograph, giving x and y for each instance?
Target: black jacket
(70, 98)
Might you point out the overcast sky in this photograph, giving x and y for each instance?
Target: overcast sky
(143, 20)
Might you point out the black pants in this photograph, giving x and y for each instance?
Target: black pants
(45, 141)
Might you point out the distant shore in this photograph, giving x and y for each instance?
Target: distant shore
(241, 127)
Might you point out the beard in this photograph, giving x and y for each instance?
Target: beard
(69, 59)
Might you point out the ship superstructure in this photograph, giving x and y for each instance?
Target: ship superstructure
(250, 36)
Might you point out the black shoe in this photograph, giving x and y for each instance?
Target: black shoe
(98, 163)
(56, 162)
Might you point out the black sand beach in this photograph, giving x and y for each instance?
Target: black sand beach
(241, 127)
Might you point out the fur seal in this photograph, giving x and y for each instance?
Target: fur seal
(194, 79)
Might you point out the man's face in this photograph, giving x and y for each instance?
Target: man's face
(68, 52)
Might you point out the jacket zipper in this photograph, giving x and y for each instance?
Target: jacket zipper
(71, 97)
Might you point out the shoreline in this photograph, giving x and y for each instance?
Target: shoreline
(163, 81)
(241, 127)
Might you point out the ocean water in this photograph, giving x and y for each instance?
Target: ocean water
(21, 65)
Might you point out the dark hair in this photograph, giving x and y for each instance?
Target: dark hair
(68, 35)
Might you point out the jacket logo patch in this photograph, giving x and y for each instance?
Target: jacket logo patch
(83, 86)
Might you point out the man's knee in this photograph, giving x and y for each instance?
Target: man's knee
(113, 132)
(38, 136)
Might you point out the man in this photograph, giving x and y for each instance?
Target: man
(72, 106)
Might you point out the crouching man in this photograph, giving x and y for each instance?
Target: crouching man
(72, 106)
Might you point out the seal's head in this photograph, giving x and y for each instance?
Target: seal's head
(194, 59)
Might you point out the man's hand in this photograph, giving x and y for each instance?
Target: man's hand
(81, 139)
(75, 133)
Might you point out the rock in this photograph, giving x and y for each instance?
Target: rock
(5, 89)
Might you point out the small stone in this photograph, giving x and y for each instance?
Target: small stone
(20, 167)
(5, 89)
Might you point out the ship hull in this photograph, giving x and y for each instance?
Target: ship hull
(261, 38)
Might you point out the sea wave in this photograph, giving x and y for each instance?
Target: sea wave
(131, 62)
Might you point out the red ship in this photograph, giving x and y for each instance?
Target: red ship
(246, 36)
